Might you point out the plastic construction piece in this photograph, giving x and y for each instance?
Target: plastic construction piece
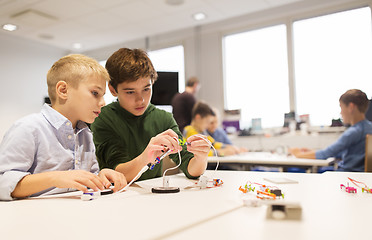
(364, 187)
(158, 159)
(94, 195)
(264, 192)
(165, 190)
(348, 189)
(217, 182)
(367, 190)
(183, 142)
(265, 195)
(247, 188)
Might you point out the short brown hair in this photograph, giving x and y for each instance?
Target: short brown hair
(357, 97)
(191, 81)
(73, 69)
(128, 65)
(203, 109)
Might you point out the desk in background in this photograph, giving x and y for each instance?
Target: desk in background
(217, 213)
(246, 160)
(262, 143)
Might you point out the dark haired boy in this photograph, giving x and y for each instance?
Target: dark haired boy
(131, 132)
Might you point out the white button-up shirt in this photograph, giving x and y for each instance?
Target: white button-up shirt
(44, 142)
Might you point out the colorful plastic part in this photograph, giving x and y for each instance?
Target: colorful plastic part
(247, 188)
(265, 195)
(348, 189)
(217, 182)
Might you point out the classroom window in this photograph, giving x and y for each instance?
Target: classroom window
(170, 60)
(256, 75)
(332, 53)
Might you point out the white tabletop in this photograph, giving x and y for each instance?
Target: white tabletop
(272, 159)
(216, 213)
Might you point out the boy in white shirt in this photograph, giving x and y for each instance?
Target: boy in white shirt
(53, 151)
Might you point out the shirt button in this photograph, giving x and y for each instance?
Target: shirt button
(68, 124)
(76, 162)
(69, 136)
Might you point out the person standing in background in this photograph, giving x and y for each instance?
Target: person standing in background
(182, 103)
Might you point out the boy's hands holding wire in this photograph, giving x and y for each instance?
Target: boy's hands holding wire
(199, 145)
(162, 143)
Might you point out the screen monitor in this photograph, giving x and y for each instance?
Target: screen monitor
(164, 88)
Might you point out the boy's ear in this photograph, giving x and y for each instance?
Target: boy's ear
(353, 107)
(112, 90)
(61, 89)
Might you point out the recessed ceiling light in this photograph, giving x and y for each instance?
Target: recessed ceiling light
(199, 16)
(77, 45)
(10, 27)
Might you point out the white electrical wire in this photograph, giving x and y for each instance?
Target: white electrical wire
(146, 167)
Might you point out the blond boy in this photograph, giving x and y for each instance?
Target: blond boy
(53, 151)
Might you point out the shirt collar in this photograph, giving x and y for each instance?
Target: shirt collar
(57, 120)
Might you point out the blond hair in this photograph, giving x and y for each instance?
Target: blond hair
(73, 69)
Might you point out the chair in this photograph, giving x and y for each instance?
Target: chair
(368, 157)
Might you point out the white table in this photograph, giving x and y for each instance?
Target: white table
(217, 213)
(271, 159)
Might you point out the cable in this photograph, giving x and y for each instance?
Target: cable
(179, 164)
(144, 169)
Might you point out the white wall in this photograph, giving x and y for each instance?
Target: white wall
(24, 64)
(203, 44)
(23, 68)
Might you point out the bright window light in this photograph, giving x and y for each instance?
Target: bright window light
(333, 53)
(256, 75)
(170, 60)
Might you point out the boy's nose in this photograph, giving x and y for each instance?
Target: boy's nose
(102, 102)
(139, 98)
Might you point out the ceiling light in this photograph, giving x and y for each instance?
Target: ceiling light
(199, 16)
(77, 45)
(9, 27)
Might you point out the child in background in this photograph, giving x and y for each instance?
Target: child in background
(202, 116)
(52, 151)
(218, 134)
(351, 144)
(131, 132)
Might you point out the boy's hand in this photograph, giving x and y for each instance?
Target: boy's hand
(77, 179)
(109, 176)
(161, 143)
(199, 146)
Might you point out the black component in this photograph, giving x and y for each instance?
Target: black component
(107, 191)
(277, 192)
(165, 190)
(278, 208)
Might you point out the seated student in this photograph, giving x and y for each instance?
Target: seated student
(53, 151)
(218, 134)
(351, 144)
(201, 117)
(131, 132)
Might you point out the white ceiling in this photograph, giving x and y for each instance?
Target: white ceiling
(100, 23)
